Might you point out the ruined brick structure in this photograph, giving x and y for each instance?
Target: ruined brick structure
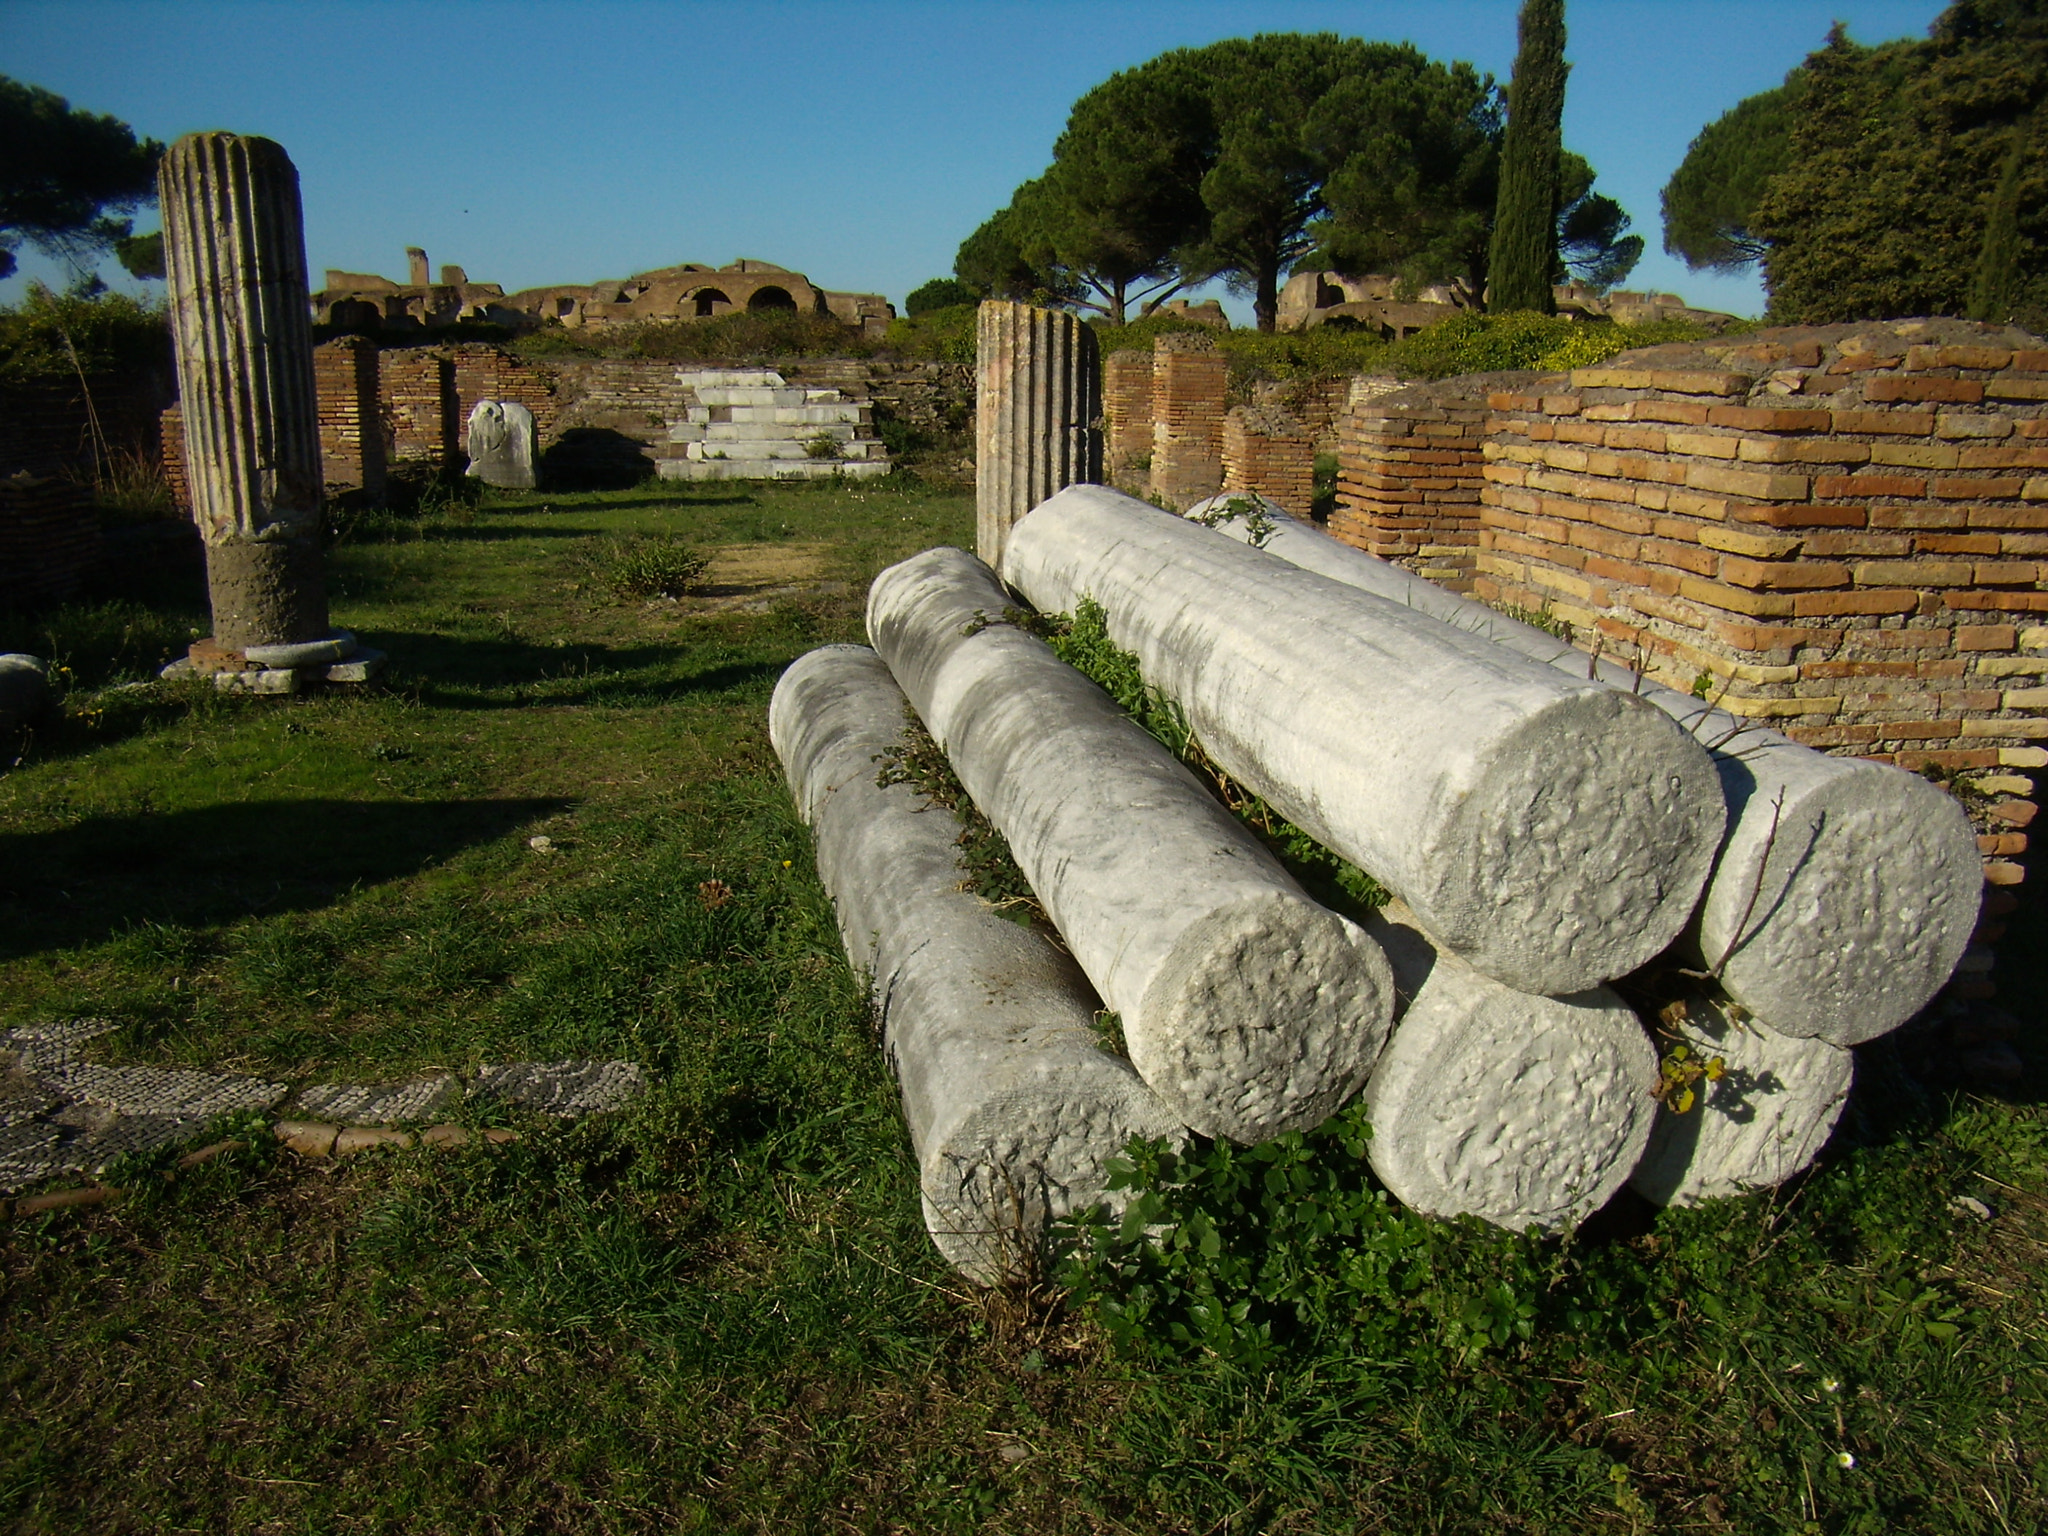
(691, 291)
(1189, 377)
(1839, 531)
(1410, 467)
(49, 539)
(1267, 451)
(1127, 419)
(412, 404)
(56, 426)
(345, 377)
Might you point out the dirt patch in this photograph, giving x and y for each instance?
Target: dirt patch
(750, 577)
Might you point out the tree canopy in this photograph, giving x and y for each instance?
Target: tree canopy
(1907, 179)
(1524, 256)
(1709, 204)
(1240, 158)
(67, 175)
(1253, 156)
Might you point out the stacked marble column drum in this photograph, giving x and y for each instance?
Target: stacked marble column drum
(1546, 827)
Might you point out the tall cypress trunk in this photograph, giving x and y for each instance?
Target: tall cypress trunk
(1524, 253)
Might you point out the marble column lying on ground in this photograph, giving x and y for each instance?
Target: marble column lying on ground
(235, 278)
(1037, 414)
(1249, 1008)
(1553, 832)
(1766, 1119)
(1013, 1107)
(1521, 1110)
(1845, 890)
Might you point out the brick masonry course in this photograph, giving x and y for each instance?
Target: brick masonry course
(1838, 530)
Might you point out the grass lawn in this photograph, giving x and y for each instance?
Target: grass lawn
(717, 1309)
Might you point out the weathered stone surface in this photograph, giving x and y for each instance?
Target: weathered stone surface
(273, 681)
(162, 1090)
(1250, 1009)
(501, 444)
(380, 1103)
(1765, 1120)
(1552, 832)
(336, 646)
(1038, 409)
(1013, 1108)
(1523, 1111)
(565, 1088)
(362, 667)
(24, 690)
(1844, 891)
(235, 277)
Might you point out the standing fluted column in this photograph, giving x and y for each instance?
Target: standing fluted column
(235, 264)
(1037, 421)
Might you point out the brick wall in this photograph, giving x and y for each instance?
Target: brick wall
(49, 539)
(417, 385)
(47, 426)
(1410, 469)
(1189, 377)
(1267, 451)
(345, 376)
(1842, 531)
(1127, 418)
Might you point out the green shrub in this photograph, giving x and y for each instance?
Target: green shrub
(936, 336)
(51, 335)
(646, 566)
(1474, 343)
(1249, 1255)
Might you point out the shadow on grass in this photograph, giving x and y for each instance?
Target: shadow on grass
(556, 503)
(442, 666)
(86, 883)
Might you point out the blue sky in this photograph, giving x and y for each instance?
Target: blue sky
(857, 142)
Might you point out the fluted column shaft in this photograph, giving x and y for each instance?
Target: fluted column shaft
(235, 264)
(1038, 410)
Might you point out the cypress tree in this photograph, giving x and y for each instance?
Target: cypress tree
(1524, 253)
(1995, 286)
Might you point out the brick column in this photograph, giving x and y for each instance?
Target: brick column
(1189, 377)
(1268, 452)
(351, 430)
(1127, 418)
(1410, 472)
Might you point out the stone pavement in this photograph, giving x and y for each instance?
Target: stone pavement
(63, 1114)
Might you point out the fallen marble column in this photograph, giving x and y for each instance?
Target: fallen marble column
(1037, 413)
(1551, 831)
(1845, 890)
(1013, 1107)
(1768, 1116)
(1249, 1008)
(1521, 1110)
